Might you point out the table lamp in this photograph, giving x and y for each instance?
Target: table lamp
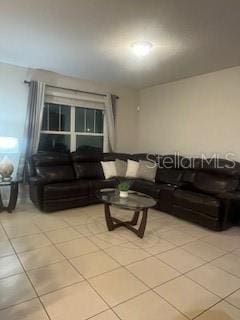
(8, 145)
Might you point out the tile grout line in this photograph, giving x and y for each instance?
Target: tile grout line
(194, 268)
(112, 245)
(208, 309)
(120, 267)
(237, 307)
(35, 291)
(181, 274)
(149, 288)
(84, 279)
(131, 263)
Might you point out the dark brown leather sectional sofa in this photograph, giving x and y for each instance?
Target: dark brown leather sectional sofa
(193, 189)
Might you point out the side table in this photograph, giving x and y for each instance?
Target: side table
(13, 195)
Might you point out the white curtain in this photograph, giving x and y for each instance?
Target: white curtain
(32, 124)
(109, 125)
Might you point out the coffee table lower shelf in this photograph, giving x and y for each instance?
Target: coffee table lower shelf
(113, 223)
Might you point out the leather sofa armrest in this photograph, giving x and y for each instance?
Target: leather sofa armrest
(230, 203)
(36, 185)
(235, 196)
(36, 181)
(30, 171)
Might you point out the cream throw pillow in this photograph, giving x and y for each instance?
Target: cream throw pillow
(109, 169)
(132, 169)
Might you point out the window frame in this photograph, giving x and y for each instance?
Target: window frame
(73, 134)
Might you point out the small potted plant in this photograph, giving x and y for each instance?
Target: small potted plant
(123, 188)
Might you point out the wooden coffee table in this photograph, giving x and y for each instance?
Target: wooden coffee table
(136, 202)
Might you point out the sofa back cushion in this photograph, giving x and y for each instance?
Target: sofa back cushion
(53, 167)
(51, 159)
(145, 157)
(87, 156)
(214, 183)
(87, 165)
(112, 156)
(88, 170)
(223, 166)
(188, 175)
(170, 161)
(169, 176)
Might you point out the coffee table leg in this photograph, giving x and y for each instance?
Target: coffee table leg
(13, 197)
(135, 217)
(143, 223)
(1, 203)
(128, 224)
(108, 217)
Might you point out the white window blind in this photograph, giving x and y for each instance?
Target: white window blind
(65, 97)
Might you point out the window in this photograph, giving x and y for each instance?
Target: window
(71, 128)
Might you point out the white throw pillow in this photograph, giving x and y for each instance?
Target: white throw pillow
(132, 169)
(109, 169)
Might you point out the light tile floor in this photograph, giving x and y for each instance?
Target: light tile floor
(66, 265)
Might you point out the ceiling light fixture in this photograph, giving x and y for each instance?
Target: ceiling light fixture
(142, 48)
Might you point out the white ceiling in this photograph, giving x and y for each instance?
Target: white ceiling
(91, 39)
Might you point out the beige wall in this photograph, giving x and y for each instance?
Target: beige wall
(13, 103)
(192, 116)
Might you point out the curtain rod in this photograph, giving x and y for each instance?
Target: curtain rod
(74, 90)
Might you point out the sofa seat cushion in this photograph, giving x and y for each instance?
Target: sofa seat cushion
(95, 185)
(66, 190)
(150, 188)
(197, 202)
